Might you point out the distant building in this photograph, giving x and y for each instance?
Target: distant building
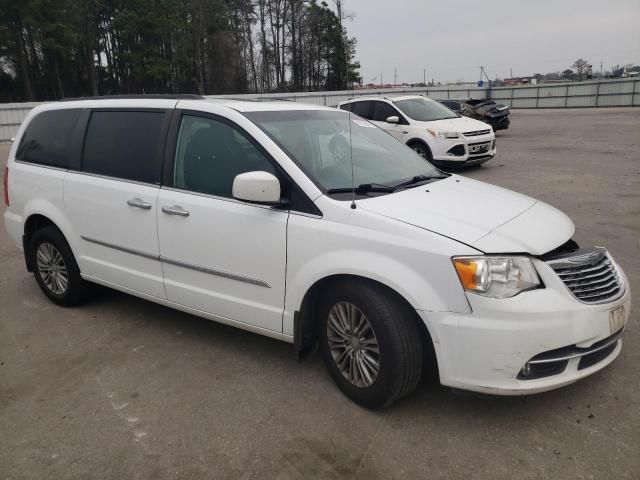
(520, 81)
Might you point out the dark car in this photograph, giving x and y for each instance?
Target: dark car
(485, 110)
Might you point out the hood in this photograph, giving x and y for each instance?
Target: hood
(489, 218)
(460, 125)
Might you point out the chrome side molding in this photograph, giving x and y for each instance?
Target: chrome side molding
(178, 263)
(217, 273)
(132, 251)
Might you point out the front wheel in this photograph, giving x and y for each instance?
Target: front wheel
(421, 150)
(370, 342)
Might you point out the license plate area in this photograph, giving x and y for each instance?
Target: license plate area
(479, 147)
(616, 319)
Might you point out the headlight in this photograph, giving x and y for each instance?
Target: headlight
(441, 134)
(496, 277)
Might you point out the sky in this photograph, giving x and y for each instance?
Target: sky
(451, 39)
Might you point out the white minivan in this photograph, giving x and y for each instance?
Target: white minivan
(432, 129)
(312, 226)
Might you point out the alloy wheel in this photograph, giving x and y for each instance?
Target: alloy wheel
(353, 344)
(420, 151)
(52, 268)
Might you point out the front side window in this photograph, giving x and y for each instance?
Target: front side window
(48, 139)
(210, 153)
(424, 109)
(383, 110)
(324, 143)
(124, 144)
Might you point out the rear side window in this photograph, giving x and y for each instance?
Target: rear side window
(49, 139)
(364, 109)
(125, 144)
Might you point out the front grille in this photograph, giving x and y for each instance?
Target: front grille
(589, 274)
(596, 357)
(476, 133)
(554, 362)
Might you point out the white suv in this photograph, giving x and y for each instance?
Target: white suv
(312, 226)
(431, 129)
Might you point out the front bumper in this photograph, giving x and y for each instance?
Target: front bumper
(486, 350)
(464, 152)
(469, 162)
(498, 123)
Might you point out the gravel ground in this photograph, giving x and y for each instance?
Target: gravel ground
(122, 388)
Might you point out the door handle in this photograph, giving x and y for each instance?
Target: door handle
(139, 203)
(175, 210)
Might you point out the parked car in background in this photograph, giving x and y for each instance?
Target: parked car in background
(255, 215)
(487, 111)
(435, 132)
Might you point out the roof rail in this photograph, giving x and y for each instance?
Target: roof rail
(249, 99)
(264, 99)
(178, 96)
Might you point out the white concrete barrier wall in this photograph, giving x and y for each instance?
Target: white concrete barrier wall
(596, 93)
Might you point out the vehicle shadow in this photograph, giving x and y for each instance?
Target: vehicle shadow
(276, 359)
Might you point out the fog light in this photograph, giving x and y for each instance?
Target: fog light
(526, 370)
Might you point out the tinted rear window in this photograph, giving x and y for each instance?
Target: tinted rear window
(363, 109)
(48, 139)
(124, 145)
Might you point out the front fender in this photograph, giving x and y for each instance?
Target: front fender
(374, 266)
(413, 262)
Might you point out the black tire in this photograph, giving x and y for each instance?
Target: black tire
(421, 149)
(75, 289)
(398, 336)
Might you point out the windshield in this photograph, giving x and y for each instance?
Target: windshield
(319, 141)
(424, 109)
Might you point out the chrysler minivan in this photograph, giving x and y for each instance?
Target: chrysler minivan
(312, 226)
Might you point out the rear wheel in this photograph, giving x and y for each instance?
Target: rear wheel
(370, 342)
(55, 267)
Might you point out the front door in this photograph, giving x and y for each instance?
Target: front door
(219, 255)
(381, 112)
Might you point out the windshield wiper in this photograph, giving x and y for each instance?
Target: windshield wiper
(418, 179)
(364, 188)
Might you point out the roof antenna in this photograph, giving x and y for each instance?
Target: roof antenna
(353, 181)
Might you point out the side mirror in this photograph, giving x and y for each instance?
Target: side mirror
(393, 119)
(258, 187)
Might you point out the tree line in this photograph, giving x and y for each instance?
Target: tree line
(51, 49)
